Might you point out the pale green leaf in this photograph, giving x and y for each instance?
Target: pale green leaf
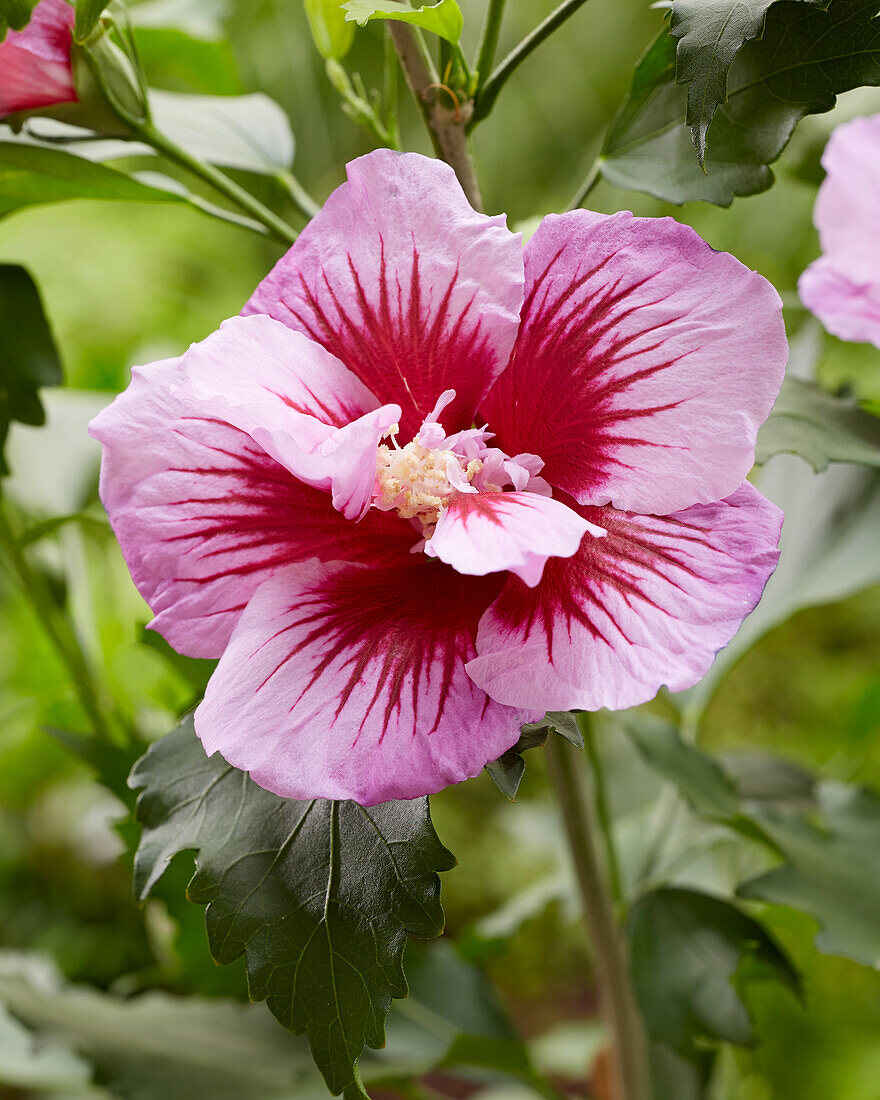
(443, 19)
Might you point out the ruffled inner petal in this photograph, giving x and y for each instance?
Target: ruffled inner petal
(203, 514)
(647, 606)
(480, 533)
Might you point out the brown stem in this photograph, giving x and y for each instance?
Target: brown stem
(446, 124)
(616, 997)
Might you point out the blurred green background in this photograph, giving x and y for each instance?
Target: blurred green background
(125, 285)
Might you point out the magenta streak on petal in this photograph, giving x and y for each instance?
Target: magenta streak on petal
(402, 353)
(648, 605)
(644, 364)
(346, 682)
(578, 450)
(380, 617)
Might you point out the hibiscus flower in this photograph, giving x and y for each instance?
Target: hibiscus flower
(430, 485)
(842, 287)
(35, 68)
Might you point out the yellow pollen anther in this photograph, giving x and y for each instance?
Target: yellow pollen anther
(413, 480)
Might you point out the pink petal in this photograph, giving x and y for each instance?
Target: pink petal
(296, 401)
(847, 212)
(35, 62)
(204, 515)
(345, 682)
(847, 309)
(650, 604)
(482, 533)
(400, 279)
(644, 366)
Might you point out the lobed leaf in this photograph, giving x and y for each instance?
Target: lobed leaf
(710, 35)
(821, 429)
(443, 19)
(29, 358)
(807, 56)
(317, 895)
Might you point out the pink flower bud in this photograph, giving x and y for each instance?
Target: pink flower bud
(35, 69)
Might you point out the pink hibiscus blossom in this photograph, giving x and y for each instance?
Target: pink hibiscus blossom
(429, 486)
(842, 287)
(35, 69)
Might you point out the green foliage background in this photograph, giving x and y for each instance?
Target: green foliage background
(130, 284)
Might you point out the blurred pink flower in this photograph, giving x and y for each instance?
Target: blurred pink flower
(35, 63)
(843, 286)
(311, 493)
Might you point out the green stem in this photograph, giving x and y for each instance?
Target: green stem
(301, 199)
(609, 948)
(593, 177)
(358, 107)
(58, 628)
(490, 89)
(446, 126)
(389, 89)
(227, 187)
(603, 813)
(489, 37)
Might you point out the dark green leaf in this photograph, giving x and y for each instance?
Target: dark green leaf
(699, 779)
(674, 1075)
(15, 15)
(28, 356)
(564, 722)
(30, 175)
(710, 34)
(807, 56)
(443, 19)
(88, 12)
(317, 895)
(690, 955)
(809, 422)
(832, 870)
(507, 771)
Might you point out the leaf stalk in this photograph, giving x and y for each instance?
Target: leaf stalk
(491, 87)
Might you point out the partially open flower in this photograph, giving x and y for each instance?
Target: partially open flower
(430, 486)
(35, 67)
(843, 286)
